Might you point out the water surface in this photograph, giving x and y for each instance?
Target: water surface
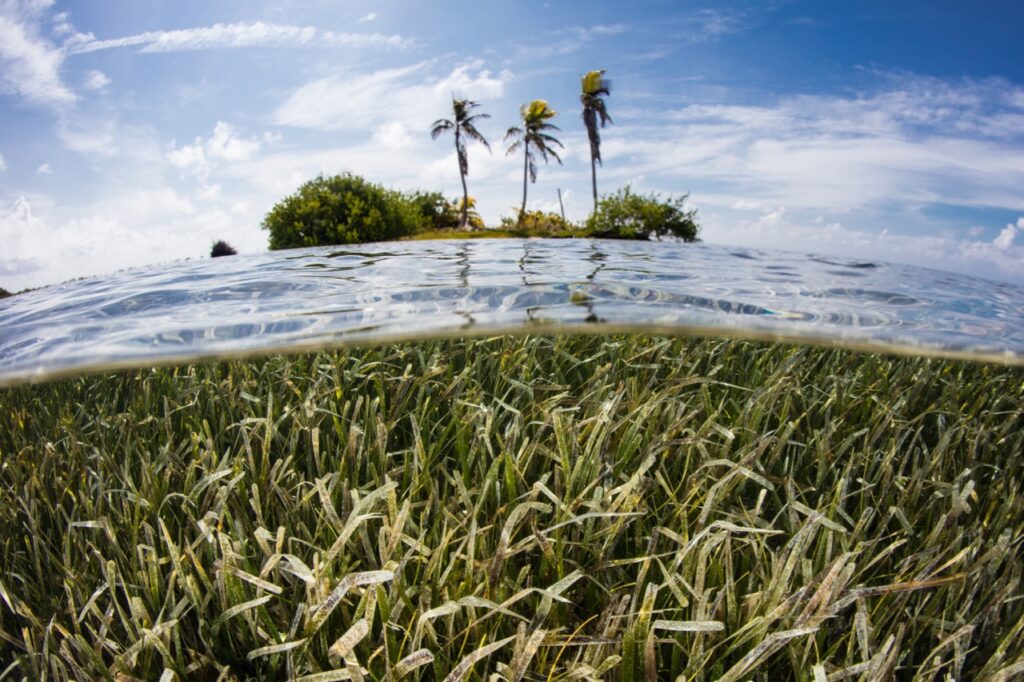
(328, 296)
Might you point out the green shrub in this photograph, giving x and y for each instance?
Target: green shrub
(346, 209)
(4, 293)
(222, 248)
(437, 211)
(538, 222)
(625, 215)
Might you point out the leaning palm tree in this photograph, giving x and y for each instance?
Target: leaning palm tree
(464, 126)
(595, 87)
(533, 135)
(467, 206)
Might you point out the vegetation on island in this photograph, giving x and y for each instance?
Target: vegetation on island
(628, 508)
(534, 136)
(626, 215)
(221, 248)
(4, 293)
(347, 209)
(463, 126)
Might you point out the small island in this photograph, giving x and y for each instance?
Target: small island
(347, 209)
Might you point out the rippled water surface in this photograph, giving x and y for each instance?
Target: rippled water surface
(300, 299)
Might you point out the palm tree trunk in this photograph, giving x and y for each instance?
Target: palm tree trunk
(464, 218)
(464, 221)
(526, 167)
(465, 202)
(593, 179)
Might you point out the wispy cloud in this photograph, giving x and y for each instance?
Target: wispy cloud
(712, 24)
(569, 40)
(61, 23)
(95, 80)
(923, 142)
(413, 94)
(88, 134)
(44, 169)
(367, 18)
(236, 35)
(3, 164)
(29, 63)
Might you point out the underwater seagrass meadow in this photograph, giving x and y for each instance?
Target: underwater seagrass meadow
(518, 508)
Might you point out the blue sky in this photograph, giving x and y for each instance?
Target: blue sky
(137, 131)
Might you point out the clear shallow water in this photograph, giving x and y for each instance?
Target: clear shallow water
(312, 298)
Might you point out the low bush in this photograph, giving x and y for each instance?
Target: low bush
(436, 211)
(347, 209)
(222, 248)
(538, 223)
(625, 215)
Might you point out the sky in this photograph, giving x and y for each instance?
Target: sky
(135, 132)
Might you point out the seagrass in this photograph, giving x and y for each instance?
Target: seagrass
(532, 508)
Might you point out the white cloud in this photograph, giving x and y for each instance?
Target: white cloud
(190, 156)
(413, 97)
(223, 145)
(44, 169)
(392, 135)
(927, 142)
(1004, 241)
(367, 18)
(61, 23)
(17, 228)
(234, 36)
(122, 230)
(3, 164)
(29, 64)
(95, 80)
(776, 228)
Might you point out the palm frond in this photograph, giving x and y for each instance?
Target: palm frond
(550, 139)
(474, 134)
(595, 84)
(602, 112)
(513, 148)
(439, 126)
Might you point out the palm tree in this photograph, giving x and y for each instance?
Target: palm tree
(595, 87)
(467, 206)
(464, 126)
(534, 136)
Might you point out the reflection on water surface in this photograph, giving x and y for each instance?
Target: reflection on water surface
(300, 299)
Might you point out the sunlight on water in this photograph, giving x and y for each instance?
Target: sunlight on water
(309, 298)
